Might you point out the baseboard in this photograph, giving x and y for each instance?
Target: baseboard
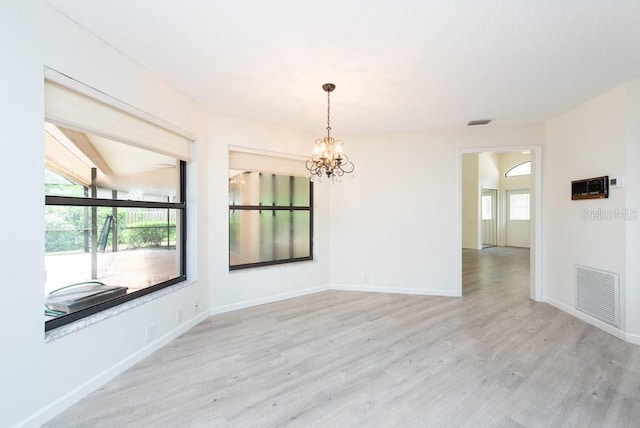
(397, 290)
(586, 318)
(73, 396)
(298, 293)
(632, 338)
(268, 299)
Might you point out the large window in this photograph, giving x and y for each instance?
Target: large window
(115, 223)
(270, 218)
(523, 168)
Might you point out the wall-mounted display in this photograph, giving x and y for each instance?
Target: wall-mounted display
(590, 188)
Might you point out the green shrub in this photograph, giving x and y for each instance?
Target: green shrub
(62, 232)
(148, 234)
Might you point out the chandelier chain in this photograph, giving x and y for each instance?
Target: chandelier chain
(328, 114)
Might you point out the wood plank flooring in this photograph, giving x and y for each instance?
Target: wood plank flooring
(348, 359)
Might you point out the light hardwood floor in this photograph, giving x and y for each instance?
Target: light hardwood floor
(350, 359)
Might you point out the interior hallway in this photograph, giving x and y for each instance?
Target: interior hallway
(336, 358)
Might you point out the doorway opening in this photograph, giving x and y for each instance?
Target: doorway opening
(499, 213)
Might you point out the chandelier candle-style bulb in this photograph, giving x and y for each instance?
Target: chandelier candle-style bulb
(328, 156)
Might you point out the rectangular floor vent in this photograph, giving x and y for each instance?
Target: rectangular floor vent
(598, 294)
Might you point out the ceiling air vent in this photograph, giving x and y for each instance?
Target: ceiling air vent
(479, 122)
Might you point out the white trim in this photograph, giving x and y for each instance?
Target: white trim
(267, 299)
(76, 394)
(397, 290)
(586, 318)
(535, 270)
(632, 338)
(338, 287)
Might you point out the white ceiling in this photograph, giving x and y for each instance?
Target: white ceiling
(398, 65)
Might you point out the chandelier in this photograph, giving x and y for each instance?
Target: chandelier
(328, 157)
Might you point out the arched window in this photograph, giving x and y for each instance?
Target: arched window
(523, 168)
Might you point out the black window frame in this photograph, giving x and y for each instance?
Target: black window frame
(275, 208)
(118, 203)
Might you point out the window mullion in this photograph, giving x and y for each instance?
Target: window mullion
(98, 202)
(94, 226)
(291, 229)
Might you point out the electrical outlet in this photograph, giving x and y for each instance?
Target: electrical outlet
(151, 332)
(196, 307)
(366, 279)
(179, 315)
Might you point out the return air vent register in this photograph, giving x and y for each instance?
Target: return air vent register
(598, 294)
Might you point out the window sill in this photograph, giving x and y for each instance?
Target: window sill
(270, 265)
(108, 313)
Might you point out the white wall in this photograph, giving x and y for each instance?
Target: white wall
(632, 185)
(599, 137)
(238, 289)
(40, 378)
(470, 202)
(396, 226)
(45, 377)
(488, 170)
(397, 223)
